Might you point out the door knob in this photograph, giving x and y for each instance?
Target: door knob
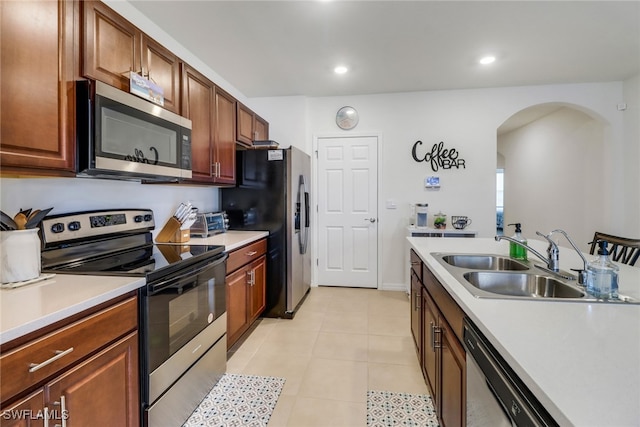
(370, 219)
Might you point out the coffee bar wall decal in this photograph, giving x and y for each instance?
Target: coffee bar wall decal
(438, 157)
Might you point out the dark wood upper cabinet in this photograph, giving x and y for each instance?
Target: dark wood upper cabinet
(224, 146)
(212, 112)
(162, 67)
(112, 47)
(260, 128)
(39, 67)
(198, 105)
(250, 127)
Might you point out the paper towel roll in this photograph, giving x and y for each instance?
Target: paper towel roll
(19, 255)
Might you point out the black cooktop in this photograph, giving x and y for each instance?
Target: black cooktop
(114, 243)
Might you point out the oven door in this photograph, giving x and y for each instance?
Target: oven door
(187, 308)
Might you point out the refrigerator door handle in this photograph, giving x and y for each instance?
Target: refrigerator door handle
(303, 197)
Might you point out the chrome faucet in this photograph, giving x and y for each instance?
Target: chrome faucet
(582, 274)
(553, 254)
(552, 260)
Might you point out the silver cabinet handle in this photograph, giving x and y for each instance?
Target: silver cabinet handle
(437, 331)
(63, 410)
(59, 354)
(252, 253)
(433, 336)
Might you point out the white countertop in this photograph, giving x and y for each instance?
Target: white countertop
(31, 307)
(581, 360)
(231, 240)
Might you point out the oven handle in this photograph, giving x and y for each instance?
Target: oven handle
(171, 282)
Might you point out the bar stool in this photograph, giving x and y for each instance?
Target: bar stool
(621, 249)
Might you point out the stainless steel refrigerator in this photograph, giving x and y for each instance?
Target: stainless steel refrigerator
(272, 194)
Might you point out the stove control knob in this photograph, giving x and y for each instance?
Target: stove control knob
(74, 226)
(137, 218)
(58, 227)
(148, 217)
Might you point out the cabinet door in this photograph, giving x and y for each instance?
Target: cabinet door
(452, 387)
(111, 45)
(38, 64)
(236, 304)
(162, 67)
(28, 412)
(416, 312)
(430, 345)
(261, 129)
(197, 105)
(103, 391)
(244, 128)
(257, 288)
(224, 144)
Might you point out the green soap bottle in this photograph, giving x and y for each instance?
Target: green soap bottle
(516, 251)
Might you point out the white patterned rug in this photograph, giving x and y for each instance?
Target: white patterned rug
(388, 409)
(238, 400)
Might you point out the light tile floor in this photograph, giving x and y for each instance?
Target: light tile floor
(341, 343)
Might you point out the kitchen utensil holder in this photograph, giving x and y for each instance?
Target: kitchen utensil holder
(169, 232)
(182, 236)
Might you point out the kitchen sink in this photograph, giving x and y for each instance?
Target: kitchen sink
(522, 284)
(485, 262)
(497, 276)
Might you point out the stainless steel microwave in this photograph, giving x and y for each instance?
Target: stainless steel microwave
(120, 135)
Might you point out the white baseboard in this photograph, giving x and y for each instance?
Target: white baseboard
(394, 287)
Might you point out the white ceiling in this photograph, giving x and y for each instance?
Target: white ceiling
(277, 48)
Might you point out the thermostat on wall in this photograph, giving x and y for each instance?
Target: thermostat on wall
(432, 182)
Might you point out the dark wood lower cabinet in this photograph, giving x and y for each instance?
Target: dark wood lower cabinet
(103, 391)
(246, 288)
(28, 412)
(452, 381)
(83, 371)
(441, 354)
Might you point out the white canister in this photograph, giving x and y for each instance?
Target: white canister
(421, 214)
(20, 255)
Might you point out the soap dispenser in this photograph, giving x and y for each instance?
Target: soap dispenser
(516, 251)
(602, 275)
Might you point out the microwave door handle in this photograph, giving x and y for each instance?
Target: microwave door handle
(179, 279)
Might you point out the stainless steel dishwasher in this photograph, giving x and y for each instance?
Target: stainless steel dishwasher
(496, 397)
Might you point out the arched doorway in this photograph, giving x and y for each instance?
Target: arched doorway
(556, 171)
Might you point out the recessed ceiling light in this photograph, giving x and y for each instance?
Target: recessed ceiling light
(340, 69)
(487, 60)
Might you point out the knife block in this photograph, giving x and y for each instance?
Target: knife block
(181, 236)
(169, 231)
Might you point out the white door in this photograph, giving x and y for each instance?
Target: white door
(348, 211)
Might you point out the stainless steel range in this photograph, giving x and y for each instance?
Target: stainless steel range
(182, 306)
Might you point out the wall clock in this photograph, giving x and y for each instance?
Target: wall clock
(347, 118)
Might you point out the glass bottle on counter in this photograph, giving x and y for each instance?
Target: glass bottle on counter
(602, 275)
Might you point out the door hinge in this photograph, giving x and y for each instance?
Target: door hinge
(317, 262)
(316, 154)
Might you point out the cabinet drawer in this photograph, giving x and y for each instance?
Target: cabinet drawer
(246, 254)
(34, 362)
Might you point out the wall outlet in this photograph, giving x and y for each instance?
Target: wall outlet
(391, 204)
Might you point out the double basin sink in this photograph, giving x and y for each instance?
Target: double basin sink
(497, 276)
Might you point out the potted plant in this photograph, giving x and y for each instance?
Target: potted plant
(440, 220)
